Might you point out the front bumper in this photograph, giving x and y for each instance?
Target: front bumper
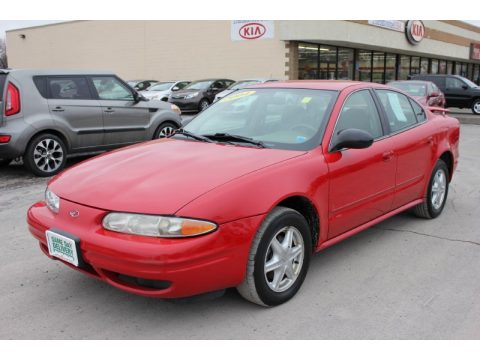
(186, 104)
(182, 267)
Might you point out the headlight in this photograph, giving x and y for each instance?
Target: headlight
(176, 109)
(156, 226)
(192, 95)
(52, 200)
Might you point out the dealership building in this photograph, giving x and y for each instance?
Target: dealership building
(366, 50)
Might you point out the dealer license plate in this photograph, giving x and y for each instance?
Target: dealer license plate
(62, 247)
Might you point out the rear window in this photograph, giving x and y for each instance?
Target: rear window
(3, 78)
(41, 84)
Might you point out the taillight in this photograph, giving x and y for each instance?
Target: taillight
(12, 105)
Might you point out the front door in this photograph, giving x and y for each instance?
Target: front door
(75, 110)
(125, 121)
(362, 181)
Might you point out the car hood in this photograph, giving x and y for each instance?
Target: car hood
(161, 176)
(150, 94)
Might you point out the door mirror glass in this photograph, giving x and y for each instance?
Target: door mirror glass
(352, 139)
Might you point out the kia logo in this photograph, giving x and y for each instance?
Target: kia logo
(415, 31)
(252, 31)
(74, 213)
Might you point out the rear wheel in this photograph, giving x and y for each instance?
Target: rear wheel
(476, 106)
(46, 155)
(165, 130)
(278, 259)
(436, 193)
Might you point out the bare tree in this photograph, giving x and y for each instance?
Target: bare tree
(3, 54)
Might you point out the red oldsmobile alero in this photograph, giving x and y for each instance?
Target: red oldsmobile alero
(249, 190)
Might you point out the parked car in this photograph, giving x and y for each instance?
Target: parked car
(198, 95)
(281, 171)
(50, 114)
(425, 92)
(162, 90)
(141, 85)
(240, 85)
(459, 91)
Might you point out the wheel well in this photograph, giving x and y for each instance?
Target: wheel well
(308, 211)
(53, 132)
(447, 157)
(165, 122)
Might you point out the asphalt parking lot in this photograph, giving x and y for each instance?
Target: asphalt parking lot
(406, 278)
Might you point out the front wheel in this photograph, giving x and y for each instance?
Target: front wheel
(476, 106)
(46, 155)
(165, 130)
(278, 259)
(203, 104)
(436, 193)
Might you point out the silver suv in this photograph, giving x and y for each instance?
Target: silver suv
(49, 114)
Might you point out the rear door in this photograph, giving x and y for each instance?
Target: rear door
(413, 144)
(125, 121)
(74, 108)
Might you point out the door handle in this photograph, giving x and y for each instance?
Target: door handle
(387, 156)
(58, 109)
(109, 110)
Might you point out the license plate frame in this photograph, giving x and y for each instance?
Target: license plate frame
(64, 246)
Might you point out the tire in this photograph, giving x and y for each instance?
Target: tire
(435, 201)
(260, 286)
(203, 104)
(46, 155)
(5, 162)
(164, 130)
(476, 106)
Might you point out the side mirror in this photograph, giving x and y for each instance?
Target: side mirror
(138, 97)
(352, 139)
(464, 87)
(175, 88)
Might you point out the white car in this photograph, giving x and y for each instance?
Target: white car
(240, 85)
(161, 90)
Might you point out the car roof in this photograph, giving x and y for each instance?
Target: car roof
(213, 79)
(60, 72)
(411, 81)
(337, 85)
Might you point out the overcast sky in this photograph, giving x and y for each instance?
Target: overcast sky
(15, 24)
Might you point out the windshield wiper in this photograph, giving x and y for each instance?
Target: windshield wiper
(226, 137)
(191, 135)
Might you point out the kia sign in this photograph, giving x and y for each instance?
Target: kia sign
(252, 29)
(415, 31)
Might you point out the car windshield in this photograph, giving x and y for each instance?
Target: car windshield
(161, 86)
(199, 85)
(242, 84)
(411, 88)
(278, 118)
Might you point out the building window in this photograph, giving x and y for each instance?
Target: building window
(364, 65)
(328, 62)
(449, 67)
(415, 65)
(442, 67)
(463, 71)
(307, 61)
(476, 74)
(424, 66)
(378, 70)
(434, 67)
(390, 67)
(345, 64)
(404, 67)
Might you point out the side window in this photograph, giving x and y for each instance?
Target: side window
(181, 85)
(435, 88)
(110, 88)
(399, 111)
(419, 112)
(68, 88)
(454, 83)
(359, 112)
(218, 85)
(40, 83)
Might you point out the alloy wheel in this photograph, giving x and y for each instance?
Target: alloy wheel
(166, 131)
(48, 155)
(439, 186)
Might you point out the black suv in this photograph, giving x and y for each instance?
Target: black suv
(459, 92)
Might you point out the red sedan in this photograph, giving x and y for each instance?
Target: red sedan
(425, 92)
(249, 190)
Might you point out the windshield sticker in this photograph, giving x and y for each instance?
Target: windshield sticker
(300, 139)
(306, 100)
(237, 96)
